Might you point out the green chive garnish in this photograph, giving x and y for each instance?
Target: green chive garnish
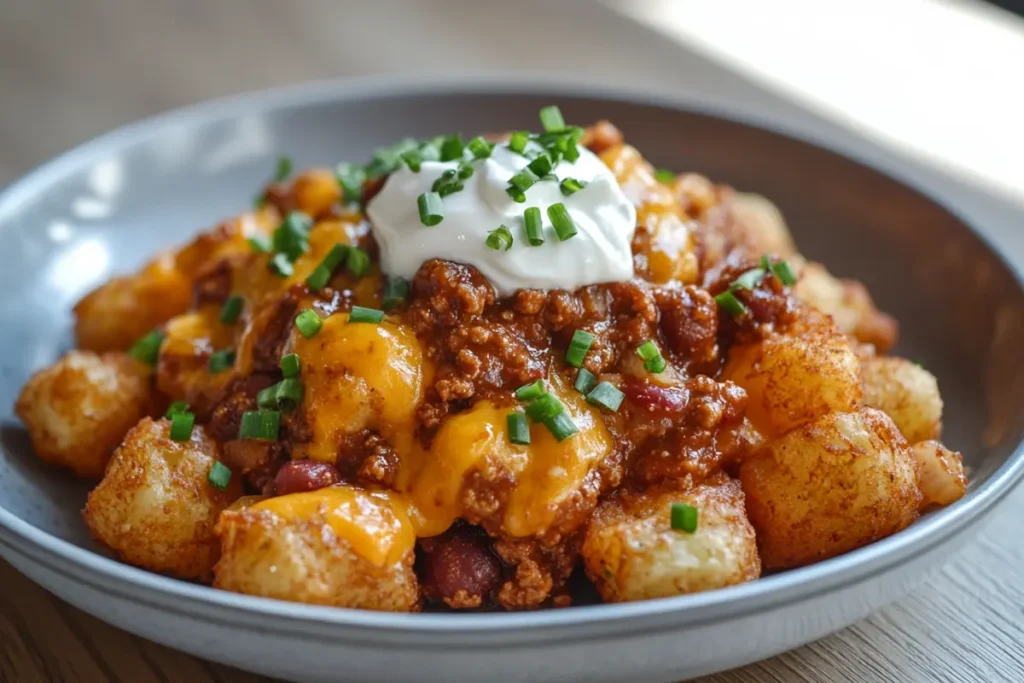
(181, 426)
(290, 365)
(308, 322)
(365, 315)
(222, 360)
(578, 347)
(231, 309)
(571, 186)
(260, 244)
(431, 208)
(413, 160)
(465, 171)
(500, 239)
(541, 166)
(607, 396)
(551, 119)
(337, 254)
(518, 429)
(517, 143)
(585, 381)
(357, 261)
(281, 265)
(219, 476)
(784, 271)
(543, 407)
(561, 426)
(523, 180)
(286, 395)
(684, 517)
(351, 179)
(292, 236)
(651, 355)
(531, 390)
(514, 192)
(396, 291)
(147, 349)
(730, 304)
(260, 424)
(534, 226)
(452, 148)
(562, 222)
(479, 148)
(284, 169)
(319, 278)
(749, 279)
(663, 175)
(175, 408)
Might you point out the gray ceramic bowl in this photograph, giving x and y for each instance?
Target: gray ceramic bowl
(104, 207)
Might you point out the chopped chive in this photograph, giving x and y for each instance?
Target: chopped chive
(308, 322)
(219, 476)
(663, 175)
(531, 390)
(651, 355)
(351, 179)
(656, 365)
(147, 349)
(452, 148)
(541, 166)
(550, 176)
(562, 222)
(728, 302)
(500, 239)
(684, 517)
(267, 398)
(360, 314)
(534, 226)
(357, 261)
(518, 429)
(292, 236)
(585, 381)
(578, 347)
(551, 119)
(449, 176)
(231, 309)
(465, 171)
(569, 149)
(479, 148)
(222, 360)
(181, 426)
(607, 396)
(281, 266)
(175, 408)
(517, 143)
(260, 424)
(561, 426)
(523, 180)
(571, 186)
(543, 407)
(284, 169)
(319, 278)
(517, 196)
(784, 271)
(749, 279)
(260, 244)
(413, 160)
(396, 291)
(431, 208)
(430, 150)
(290, 365)
(387, 159)
(286, 395)
(766, 262)
(450, 188)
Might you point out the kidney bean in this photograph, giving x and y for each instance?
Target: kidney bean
(460, 568)
(298, 476)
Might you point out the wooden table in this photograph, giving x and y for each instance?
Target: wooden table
(70, 70)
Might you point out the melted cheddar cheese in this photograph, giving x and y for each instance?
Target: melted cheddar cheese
(376, 528)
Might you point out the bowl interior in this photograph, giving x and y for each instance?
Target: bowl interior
(104, 209)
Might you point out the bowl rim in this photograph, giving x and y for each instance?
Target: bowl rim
(80, 564)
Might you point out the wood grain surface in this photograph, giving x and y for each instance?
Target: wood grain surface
(72, 69)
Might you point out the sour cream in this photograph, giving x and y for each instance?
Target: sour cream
(599, 252)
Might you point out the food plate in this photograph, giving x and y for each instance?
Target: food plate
(111, 203)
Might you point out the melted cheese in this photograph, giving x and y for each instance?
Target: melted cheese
(371, 522)
(360, 376)
(195, 332)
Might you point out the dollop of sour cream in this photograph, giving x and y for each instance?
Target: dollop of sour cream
(600, 251)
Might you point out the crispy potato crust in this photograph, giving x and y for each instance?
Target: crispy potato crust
(833, 485)
(907, 393)
(849, 304)
(940, 474)
(155, 508)
(78, 409)
(305, 561)
(631, 551)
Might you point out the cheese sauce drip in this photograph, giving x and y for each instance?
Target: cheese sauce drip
(600, 252)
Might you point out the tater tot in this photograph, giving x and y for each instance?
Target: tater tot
(849, 304)
(759, 227)
(631, 551)
(322, 547)
(907, 393)
(113, 316)
(791, 381)
(833, 485)
(316, 191)
(155, 507)
(78, 409)
(940, 474)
